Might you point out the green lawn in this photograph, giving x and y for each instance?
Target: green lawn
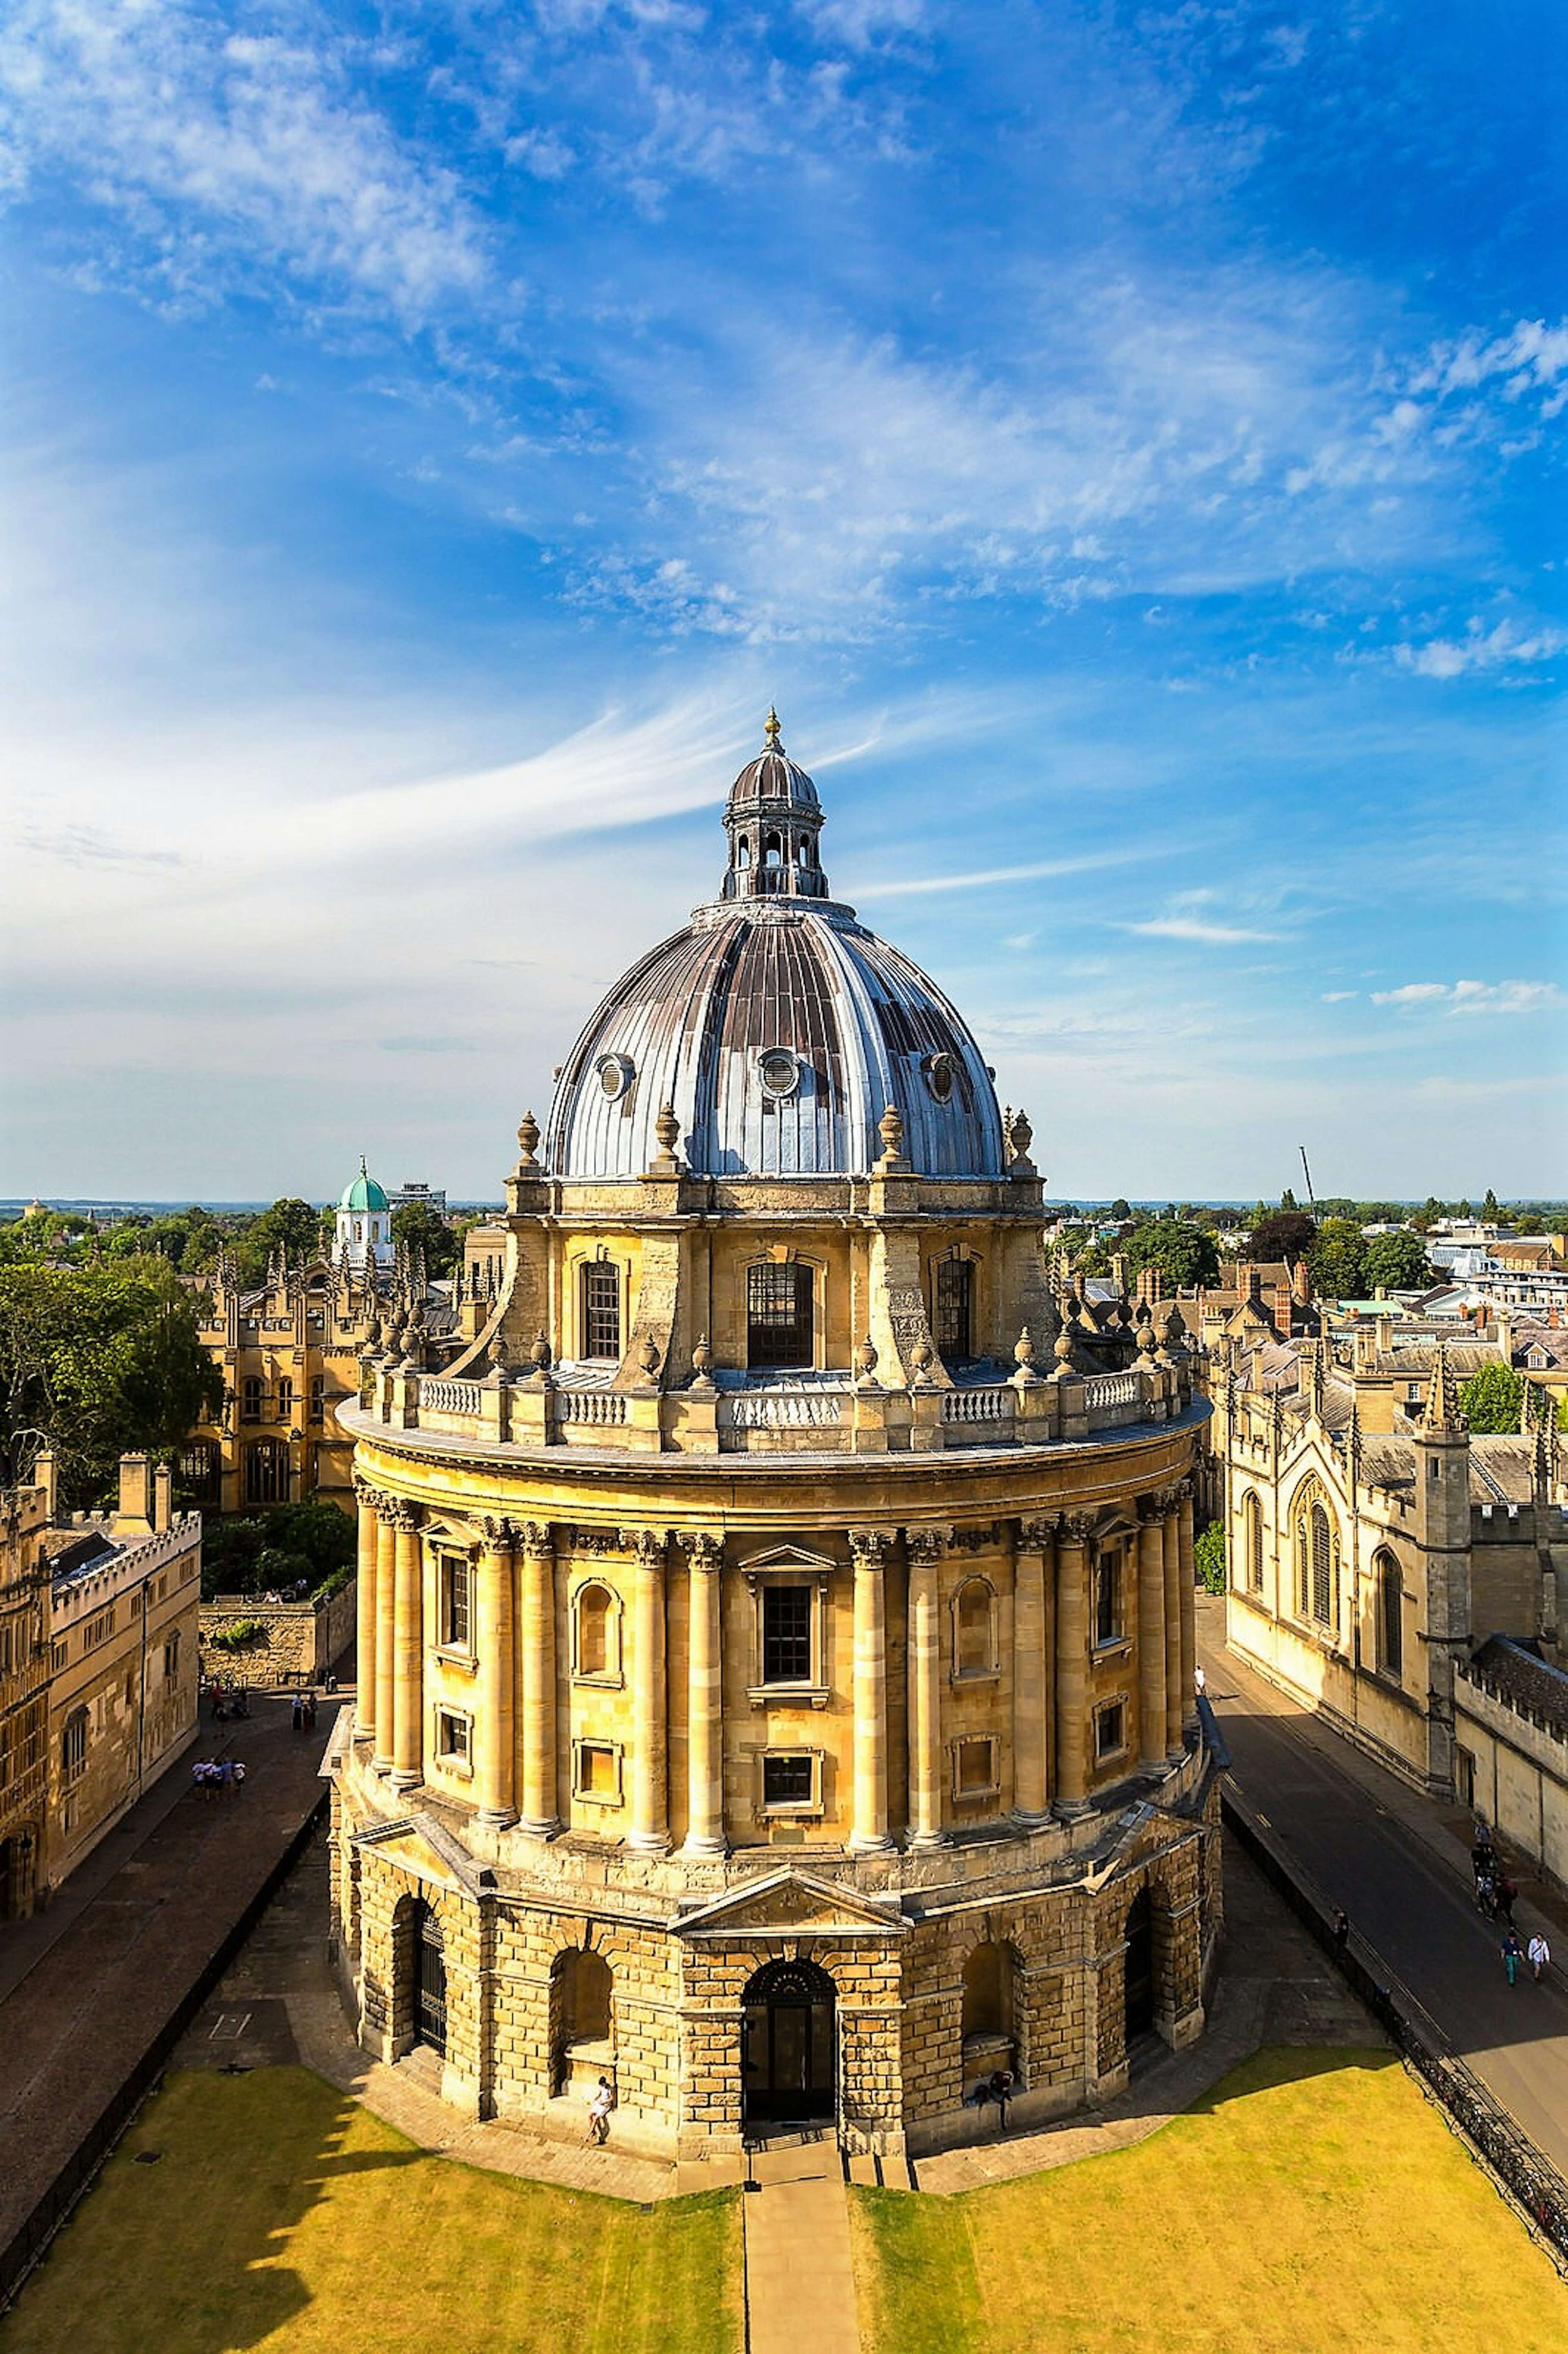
(1313, 2204)
(284, 2215)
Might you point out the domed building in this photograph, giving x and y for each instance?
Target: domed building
(775, 1626)
(363, 1224)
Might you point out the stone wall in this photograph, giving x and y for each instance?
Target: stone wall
(299, 1642)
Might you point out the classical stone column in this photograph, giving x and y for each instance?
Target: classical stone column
(1072, 1666)
(705, 1699)
(1030, 1791)
(1152, 1636)
(1170, 1548)
(408, 1652)
(386, 1629)
(925, 1548)
(495, 1737)
(649, 1763)
(869, 1836)
(541, 1814)
(369, 1533)
(1189, 1643)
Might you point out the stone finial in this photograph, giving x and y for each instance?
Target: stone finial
(865, 1360)
(1064, 1352)
(528, 1142)
(890, 1128)
(667, 1128)
(922, 1357)
(1020, 1137)
(702, 1364)
(1024, 1348)
(1147, 1343)
(539, 1355)
(771, 729)
(648, 1356)
(1441, 1409)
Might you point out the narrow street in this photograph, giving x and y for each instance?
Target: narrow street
(1399, 1864)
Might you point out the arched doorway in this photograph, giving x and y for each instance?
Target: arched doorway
(428, 1957)
(988, 2025)
(788, 2045)
(1137, 1969)
(582, 1994)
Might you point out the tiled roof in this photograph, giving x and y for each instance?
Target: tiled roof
(1528, 1683)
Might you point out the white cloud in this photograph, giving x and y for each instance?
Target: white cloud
(1338, 996)
(1481, 649)
(1467, 997)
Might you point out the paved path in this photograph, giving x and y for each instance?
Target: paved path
(87, 1986)
(1399, 1863)
(800, 2273)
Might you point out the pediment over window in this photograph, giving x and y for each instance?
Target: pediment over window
(787, 1557)
(793, 1904)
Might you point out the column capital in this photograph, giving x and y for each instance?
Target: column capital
(650, 1545)
(500, 1536)
(370, 1498)
(532, 1537)
(705, 1549)
(1077, 1527)
(868, 1547)
(926, 1545)
(1038, 1535)
(399, 1514)
(1152, 1510)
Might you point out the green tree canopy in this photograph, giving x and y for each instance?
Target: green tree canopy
(1093, 1259)
(1491, 1207)
(1398, 1262)
(1121, 1209)
(289, 1226)
(1338, 1260)
(1491, 1399)
(105, 1360)
(276, 1548)
(1287, 1235)
(1185, 1255)
(418, 1227)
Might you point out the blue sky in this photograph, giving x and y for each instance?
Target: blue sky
(1127, 443)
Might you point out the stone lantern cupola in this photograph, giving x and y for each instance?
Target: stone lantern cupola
(363, 1224)
(773, 819)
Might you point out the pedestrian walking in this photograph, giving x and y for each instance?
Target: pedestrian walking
(1341, 1933)
(601, 2100)
(310, 1711)
(1200, 1681)
(1539, 1954)
(1507, 1891)
(1512, 1954)
(297, 1713)
(1001, 2093)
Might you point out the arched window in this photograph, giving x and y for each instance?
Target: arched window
(601, 1309)
(1316, 1563)
(989, 1975)
(582, 2021)
(974, 1629)
(267, 1472)
(1252, 1541)
(201, 1470)
(772, 851)
(285, 1398)
(1390, 1615)
(780, 1323)
(596, 1633)
(251, 1395)
(743, 853)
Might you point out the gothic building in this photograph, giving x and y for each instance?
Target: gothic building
(776, 1631)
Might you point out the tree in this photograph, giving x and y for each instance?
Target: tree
(1423, 1220)
(104, 1359)
(1209, 1557)
(1185, 1255)
(1121, 1209)
(1491, 1400)
(1397, 1262)
(1338, 1260)
(1093, 1259)
(417, 1226)
(1288, 1235)
(309, 1541)
(1287, 1199)
(1491, 1207)
(291, 1225)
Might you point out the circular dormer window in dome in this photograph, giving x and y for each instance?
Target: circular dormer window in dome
(616, 1073)
(939, 1077)
(779, 1070)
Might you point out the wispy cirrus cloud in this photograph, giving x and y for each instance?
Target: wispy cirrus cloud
(1194, 917)
(1505, 646)
(1467, 997)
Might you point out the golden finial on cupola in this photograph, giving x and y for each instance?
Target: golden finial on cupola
(771, 730)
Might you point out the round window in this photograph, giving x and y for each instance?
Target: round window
(780, 1071)
(614, 1075)
(939, 1076)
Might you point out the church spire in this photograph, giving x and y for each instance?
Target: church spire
(1441, 1410)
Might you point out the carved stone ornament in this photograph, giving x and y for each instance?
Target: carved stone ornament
(867, 1547)
(890, 1128)
(648, 1544)
(667, 1128)
(923, 1358)
(706, 1552)
(528, 1142)
(1036, 1536)
(978, 1539)
(1024, 1348)
(1077, 1527)
(499, 1536)
(401, 1514)
(1020, 1136)
(533, 1536)
(1151, 1511)
(865, 1359)
(925, 1544)
(1146, 1341)
(599, 1540)
(648, 1356)
(702, 1366)
(539, 1355)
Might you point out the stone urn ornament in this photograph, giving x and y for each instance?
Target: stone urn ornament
(528, 1142)
(647, 1357)
(702, 1364)
(539, 1355)
(921, 1358)
(865, 1362)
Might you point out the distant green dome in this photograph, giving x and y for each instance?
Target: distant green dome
(363, 1194)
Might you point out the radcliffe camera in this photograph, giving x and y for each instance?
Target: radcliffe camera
(784, 1301)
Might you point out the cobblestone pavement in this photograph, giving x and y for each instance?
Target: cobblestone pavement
(87, 1986)
(1399, 1863)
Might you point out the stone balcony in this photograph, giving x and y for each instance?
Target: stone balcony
(821, 1413)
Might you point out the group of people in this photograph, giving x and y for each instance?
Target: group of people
(302, 1713)
(1495, 1896)
(1000, 2087)
(217, 1777)
(227, 1699)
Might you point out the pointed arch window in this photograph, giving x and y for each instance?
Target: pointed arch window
(1317, 1547)
(1252, 1541)
(1390, 1615)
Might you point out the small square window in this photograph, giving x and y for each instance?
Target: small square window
(454, 1739)
(787, 1781)
(974, 1768)
(1110, 1729)
(597, 1775)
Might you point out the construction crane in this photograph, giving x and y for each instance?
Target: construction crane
(1311, 1200)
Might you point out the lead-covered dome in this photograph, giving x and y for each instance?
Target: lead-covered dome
(776, 1028)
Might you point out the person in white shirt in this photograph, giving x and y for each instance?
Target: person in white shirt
(1539, 1954)
(601, 2100)
(1201, 1682)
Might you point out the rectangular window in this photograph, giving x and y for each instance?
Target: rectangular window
(974, 1769)
(787, 1635)
(250, 1398)
(318, 1397)
(61, 1651)
(1110, 1729)
(597, 1772)
(790, 1783)
(1107, 1599)
(172, 1657)
(97, 1629)
(951, 1303)
(73, 1745)
(779, 1320)
(457, 1602)
(285, 1398)
(601, 1309)
(454, 1736)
